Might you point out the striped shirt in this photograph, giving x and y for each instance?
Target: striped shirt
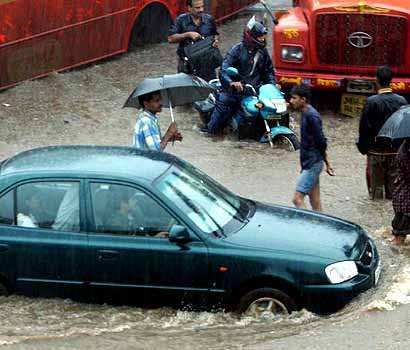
(147, 133)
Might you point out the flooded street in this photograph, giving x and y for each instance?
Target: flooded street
(84, 106)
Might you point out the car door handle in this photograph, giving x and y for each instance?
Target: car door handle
(4, 248)
(107, 254)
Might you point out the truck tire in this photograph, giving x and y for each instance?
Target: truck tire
(3, 290)
(151, 26)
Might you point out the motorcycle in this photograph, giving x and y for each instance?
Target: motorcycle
(266, 117)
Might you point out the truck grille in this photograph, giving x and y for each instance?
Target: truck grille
(388, 33)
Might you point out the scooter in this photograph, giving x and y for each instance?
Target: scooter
(266, 117)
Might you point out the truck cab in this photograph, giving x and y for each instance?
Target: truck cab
(338, 44)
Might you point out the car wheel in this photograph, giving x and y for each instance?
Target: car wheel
(266, 303)
(3, 290)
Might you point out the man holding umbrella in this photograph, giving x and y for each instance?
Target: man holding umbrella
(380, 156)
(168, 90)
(147, 131)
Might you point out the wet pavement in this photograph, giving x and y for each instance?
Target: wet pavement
(83, 106)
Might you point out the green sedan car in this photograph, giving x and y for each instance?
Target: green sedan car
(145, 227)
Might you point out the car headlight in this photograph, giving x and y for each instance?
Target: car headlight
(341, 271)
(292, 53)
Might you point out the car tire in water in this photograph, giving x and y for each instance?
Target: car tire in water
(266, 302)
(289, 142)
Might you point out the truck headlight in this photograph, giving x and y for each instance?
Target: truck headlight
(292, 53)
(341, 271)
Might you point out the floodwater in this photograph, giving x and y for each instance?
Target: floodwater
(83, 106)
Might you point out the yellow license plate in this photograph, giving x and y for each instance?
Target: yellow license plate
(352, 105)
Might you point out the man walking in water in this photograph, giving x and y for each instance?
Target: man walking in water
(313, 148)
(191, 27)
(380, 155)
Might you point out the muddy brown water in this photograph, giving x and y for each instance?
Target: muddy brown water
(83, 106)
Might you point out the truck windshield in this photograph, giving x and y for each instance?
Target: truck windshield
(214, 209)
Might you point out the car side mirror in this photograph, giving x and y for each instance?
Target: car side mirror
(179, 234)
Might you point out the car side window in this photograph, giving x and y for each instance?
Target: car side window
(7, 208)
(124, 210)
(51, 205)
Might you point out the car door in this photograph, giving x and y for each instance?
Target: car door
(131, 250)
(43, 239)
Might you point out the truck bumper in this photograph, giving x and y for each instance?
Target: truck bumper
(337, 82)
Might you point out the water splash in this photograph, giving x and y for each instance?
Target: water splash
(397, 294)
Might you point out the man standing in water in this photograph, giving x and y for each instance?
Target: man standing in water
(313, 148)
(147, 132)
(380, 156)
(191, 27)
(401, 195)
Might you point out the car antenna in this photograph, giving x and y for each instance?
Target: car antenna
(274, 20)
(270, 13)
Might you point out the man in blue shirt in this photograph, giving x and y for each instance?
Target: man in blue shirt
(190, 27)
(147, 131)
(313, 148)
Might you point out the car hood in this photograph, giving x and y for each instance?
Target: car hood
(301, 232)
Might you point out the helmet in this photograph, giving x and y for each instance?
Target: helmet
(254, 30)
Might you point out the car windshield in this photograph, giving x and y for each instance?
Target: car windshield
(209, 205)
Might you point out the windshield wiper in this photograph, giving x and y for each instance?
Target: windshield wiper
(242, 211)
(197, 210)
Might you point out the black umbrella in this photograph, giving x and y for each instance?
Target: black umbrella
(176, 90)
(397, 127)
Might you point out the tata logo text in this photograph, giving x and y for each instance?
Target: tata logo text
(360, 40)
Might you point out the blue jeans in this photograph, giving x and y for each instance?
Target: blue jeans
(227, 106)
(309, 178)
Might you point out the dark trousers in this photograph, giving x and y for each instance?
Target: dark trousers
(227, 106)
(401, 224)
(380, 174)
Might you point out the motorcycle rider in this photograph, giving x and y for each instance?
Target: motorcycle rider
(251, 58)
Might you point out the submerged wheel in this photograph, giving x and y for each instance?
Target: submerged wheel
(151, 26)
(266, 303)
(3, 290)
(288, 142)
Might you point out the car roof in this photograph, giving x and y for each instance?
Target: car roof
(103, 160)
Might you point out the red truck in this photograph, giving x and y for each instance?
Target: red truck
(41, 36)
(337, 44)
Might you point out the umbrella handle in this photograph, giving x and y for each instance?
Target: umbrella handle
(170, 108)
(172, 117)
(171, 112)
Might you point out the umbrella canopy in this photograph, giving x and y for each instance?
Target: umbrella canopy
(176, 89)
(397, 127)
